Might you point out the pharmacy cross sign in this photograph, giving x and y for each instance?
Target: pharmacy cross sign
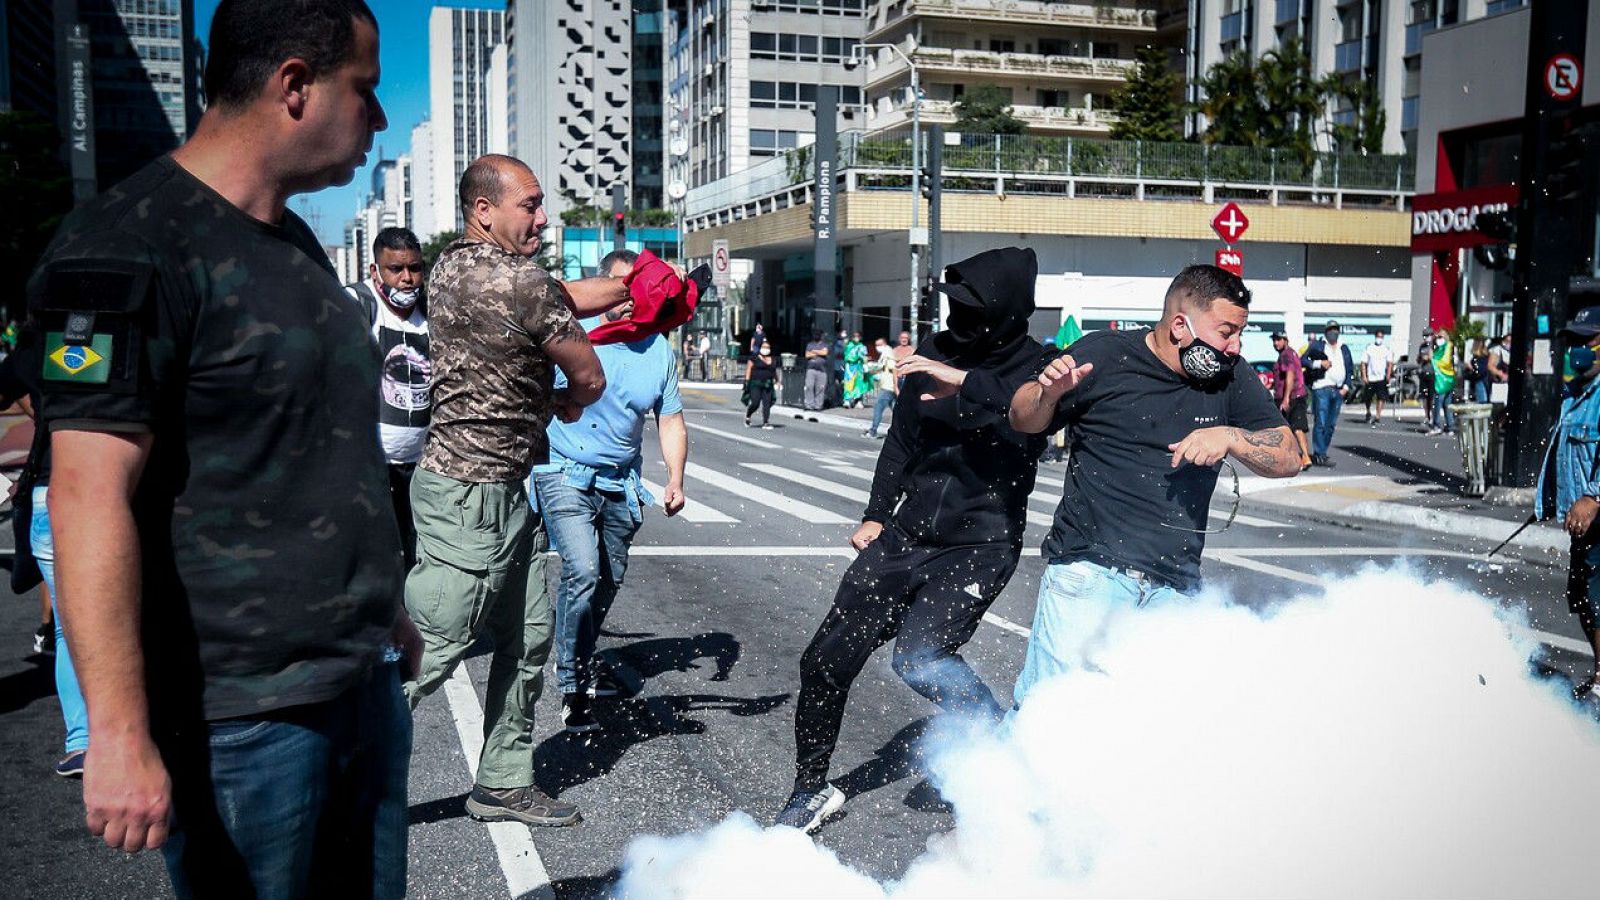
(1230, 222)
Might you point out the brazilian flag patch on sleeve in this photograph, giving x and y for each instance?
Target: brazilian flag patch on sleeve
(79, 363)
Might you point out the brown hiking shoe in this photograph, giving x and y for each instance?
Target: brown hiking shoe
(527, 805)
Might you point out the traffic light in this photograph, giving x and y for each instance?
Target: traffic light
(933, 190)
(619, 225)
(1502, 227)
(1567, 159)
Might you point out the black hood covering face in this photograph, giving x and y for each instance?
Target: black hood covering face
(991, 299)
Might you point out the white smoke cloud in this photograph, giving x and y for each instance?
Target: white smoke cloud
(1384, 741)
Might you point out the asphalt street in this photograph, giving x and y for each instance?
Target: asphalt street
(718, 605)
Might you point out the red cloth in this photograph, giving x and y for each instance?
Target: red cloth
(661, 302)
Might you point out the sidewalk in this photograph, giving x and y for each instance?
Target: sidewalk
(1394, 475)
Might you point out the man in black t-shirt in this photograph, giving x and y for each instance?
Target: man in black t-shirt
(229, 564)
(1149, 414)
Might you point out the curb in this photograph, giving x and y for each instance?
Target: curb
(1536, 543)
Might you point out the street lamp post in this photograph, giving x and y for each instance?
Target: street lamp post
(916, 161)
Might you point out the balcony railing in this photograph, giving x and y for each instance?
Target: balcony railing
(1129, 14)
(1067, 166)
(1287, 11)
(1023, 65)
(944, 112)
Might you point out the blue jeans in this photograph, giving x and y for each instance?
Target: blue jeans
(1078, 602)
(73, 711)
(1480, 391)
(1325, 405)
(1443, 416)
(885, 400)
(309, 802)
(591, 530)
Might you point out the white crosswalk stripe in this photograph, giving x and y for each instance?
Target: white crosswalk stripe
(816, 515)
(811, 481)
(731, 436)
(693, 510)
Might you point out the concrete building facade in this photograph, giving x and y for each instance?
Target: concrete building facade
(1056, 63)
(744, 75)
(572, 97)
(1377, 41)
(462, 98)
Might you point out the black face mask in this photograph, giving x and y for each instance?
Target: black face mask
(1204, 364)
(966, 324)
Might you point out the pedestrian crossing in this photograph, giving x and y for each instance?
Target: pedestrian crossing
(831, 488)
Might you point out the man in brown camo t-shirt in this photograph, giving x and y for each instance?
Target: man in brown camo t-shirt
(499, 327)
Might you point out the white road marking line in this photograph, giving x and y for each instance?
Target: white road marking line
(1006, 624)
(756, 552)
(1239, 560)
(804, 511)
(693, 510)
(729, 435)
(513, 842)
(811, 481)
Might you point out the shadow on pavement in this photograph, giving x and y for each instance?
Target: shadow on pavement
(656, 656)
(564, 761)
(583, 887)
(1418, 472)
(439, 810)
(36, 682)
(895, 760)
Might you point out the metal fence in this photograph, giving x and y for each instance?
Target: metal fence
(1024, 155)
(1069, 166)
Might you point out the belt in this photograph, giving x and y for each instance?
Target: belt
(1145, 579)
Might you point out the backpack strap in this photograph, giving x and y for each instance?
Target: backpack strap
(368, 300)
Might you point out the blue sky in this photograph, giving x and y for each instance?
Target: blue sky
(403, 56)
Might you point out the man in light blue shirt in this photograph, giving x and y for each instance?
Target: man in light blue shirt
(593, 500)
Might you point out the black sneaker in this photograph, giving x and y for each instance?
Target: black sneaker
(44, 638)
(71, 765)
(807, 810)
(527, 805)
(575, 714)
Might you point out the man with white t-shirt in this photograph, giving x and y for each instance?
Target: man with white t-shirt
(1377, 367)
(392, 297)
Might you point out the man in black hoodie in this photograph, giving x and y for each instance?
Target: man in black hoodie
(943, 527)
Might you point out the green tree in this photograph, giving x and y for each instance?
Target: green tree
(1271, 102)
(985, 109)
(432, 247)
(38, 192)
(1147, 104)
(1364, 133)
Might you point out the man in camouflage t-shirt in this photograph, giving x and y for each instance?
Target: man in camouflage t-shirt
(500, 325)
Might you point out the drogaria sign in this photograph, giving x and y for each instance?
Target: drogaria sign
(1449, 220)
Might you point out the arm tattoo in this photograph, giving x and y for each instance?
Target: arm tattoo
(1258, 459)
(1269, 437)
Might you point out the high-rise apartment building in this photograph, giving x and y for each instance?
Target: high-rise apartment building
(574, 95)
(1376, 41)
(1056, 63)
(121, 80)
(422, 205)
(463, 102)
(744, 77)
(146, 80)
(390, 204)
